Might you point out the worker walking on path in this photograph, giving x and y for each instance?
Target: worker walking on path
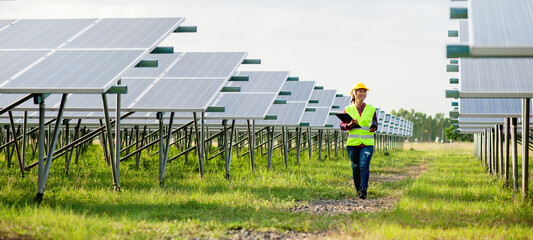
(360, 144)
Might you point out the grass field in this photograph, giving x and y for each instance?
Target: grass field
(454, 199)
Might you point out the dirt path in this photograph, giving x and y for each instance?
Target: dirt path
(346, 206)
(335, 206)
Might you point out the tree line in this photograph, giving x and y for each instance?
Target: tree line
(427, 128)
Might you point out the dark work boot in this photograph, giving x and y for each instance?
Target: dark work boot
(358, 192)
(362, 194)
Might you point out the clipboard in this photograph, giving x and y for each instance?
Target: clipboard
(344, 117)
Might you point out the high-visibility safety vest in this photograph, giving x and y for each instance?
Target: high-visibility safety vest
(362, 135)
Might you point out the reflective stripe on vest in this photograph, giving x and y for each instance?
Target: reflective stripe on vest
(362, 135)
(365, 128)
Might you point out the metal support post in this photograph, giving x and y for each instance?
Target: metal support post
(500, 151)
(167, 148)
(117, 140)
(44, 168)
(525, 147)
(159, 117)
(198, 145)
(109, 141)
(24, 139)
(270, 145)
(309, 144)
(298, 144)
(202, 143)
(284, 142)
(229, 151)
(319, 144)
(514, 143)
(15, 142)
(251, 147)
(506, 150)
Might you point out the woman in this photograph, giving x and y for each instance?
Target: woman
(360, 144)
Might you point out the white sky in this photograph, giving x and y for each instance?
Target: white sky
(395, 47)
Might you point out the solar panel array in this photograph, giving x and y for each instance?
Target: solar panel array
(75, 55)
(491, 86)
(70, 66)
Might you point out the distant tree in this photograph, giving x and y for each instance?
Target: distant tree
(457, 136)
(427, 128)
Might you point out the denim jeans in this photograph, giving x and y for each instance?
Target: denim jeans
(360, 158)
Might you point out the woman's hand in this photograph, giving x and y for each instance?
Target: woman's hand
(352, 123)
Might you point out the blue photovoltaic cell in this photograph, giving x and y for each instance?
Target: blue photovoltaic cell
(41, 33)
(74, 72)
(75, 115)
(387, 118)
(6, 22)
(501, 23)
(511, 76)
(126, 33)
(12, 62)
(300, 90)
(463, 32)
(324, 97)
(384, 128)
(261, 81)
(341, 103)
(7, 99)
(316, 118)
(82, 55)
(206, 64)
(381, 116)
(94, 101)
(163, 62)
(471, 107)
(476, 120)
(179, 95)
(334, 121)
(242, 105)
(288, 114)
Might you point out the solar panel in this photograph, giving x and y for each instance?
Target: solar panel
(242, 105)
(333, 122)
(288, 114)
(496, 77)
(126, 33)
(339, 103)
(387, 118)
(324, 97)
(207, 64)
(179, 95)
(163, 62)
(7, 99)
(463, 32)
(490, 107)
(384, 128)
(15, 61)
(76, 115)
(381, 116)
(6, 22)
(482, 120)
(261, 81)
(254, 98)
(501, 27)
(103, 56)
(299, 91)
(93, 102)
(316, 118)
(41, 33)
(73, 72)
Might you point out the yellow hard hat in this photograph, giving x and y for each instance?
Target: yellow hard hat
(358, 85)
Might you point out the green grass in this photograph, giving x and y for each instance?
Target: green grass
(456, 198)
